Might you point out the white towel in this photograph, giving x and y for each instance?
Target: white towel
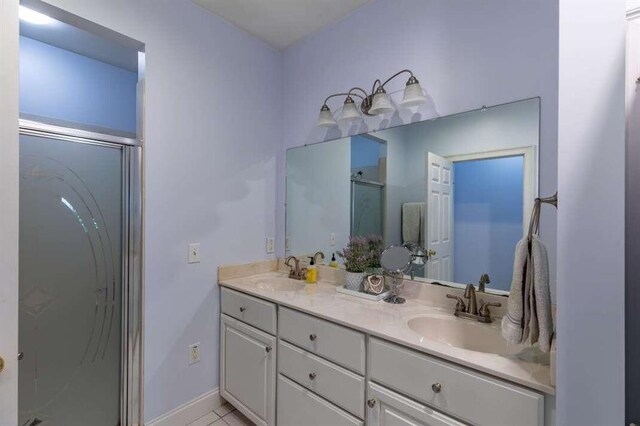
(529, 306)
(412, 222)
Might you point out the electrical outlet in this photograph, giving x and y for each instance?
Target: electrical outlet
(194, 353)
(287, 244)
(194, 253)
(271, 245)
(332, 239)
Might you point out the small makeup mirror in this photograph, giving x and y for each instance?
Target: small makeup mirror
(396, 259)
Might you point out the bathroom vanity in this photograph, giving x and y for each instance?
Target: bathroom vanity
(298, 354)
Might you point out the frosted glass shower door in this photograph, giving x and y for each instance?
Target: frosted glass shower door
(367, 208)
(71, 222)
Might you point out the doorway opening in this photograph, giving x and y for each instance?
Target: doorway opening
(80, 279)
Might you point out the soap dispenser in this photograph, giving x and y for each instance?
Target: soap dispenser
(334, 262)
(312, 272)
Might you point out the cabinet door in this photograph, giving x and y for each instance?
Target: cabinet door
(387, 408)
(248, 370)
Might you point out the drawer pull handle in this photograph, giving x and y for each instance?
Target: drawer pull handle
(436, 387)
(242, 309)
(268, 349)
(312, 376)
(313, 337)
(371, 403)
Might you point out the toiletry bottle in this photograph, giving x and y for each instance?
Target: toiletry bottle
(312, 272)
(333, 263)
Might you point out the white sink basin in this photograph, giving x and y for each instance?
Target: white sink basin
(278, 284)
(464, 334)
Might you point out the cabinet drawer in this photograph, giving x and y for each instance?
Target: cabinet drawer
(298, 406)
(385, 407)
(334, 342)
(338, 385)
(256, 312)
(467, 395)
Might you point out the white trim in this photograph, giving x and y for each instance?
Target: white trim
(530, 184)
(190, 411)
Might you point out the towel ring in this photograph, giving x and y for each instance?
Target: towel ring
(534, 224)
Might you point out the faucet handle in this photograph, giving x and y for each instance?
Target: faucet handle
(484, 308)
(460, 306)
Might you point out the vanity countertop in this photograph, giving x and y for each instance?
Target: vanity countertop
(389, 322)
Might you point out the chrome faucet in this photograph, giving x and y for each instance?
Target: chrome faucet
(484, 280)
(470, 310)
(295, 272)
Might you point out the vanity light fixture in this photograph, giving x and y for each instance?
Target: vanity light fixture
(33, 17)
(376, 103)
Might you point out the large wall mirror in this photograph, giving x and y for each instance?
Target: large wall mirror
(459, 187)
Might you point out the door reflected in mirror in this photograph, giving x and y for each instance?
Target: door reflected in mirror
(455, 190)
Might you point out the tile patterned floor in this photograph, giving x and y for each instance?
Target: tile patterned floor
(223, 416)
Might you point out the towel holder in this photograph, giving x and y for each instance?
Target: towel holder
(553, 200)
(534, 223)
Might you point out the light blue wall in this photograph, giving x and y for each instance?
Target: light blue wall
(56, 83)
(487, 219)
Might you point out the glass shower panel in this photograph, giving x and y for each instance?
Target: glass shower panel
(71, 218)
(367, 208)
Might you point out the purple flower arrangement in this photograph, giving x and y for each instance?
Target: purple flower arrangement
(362, 253)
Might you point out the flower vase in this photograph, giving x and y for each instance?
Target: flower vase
(354, 281)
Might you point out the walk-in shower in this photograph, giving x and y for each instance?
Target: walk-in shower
(80, 281)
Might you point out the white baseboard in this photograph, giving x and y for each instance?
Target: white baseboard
(190, 411)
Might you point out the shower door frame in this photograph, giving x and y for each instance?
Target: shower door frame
(131, 391)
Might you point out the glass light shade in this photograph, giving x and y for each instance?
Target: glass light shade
(350, 111)
(413, 95)
(381, 103)
(325, 119)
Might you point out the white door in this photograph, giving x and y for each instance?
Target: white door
(248, 370)
(438, 228)
(387, 408)
(9, 212)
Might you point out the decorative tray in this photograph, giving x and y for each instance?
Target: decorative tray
(367, 296)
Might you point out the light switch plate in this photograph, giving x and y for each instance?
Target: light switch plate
(271, 245)
(194, 253)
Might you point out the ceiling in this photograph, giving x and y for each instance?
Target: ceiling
(281, 23)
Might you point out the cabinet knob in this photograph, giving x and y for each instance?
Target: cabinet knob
(371, 403)
(268, 349)
(312, 376)
(313, 337)
(436, 387)
(242, 309)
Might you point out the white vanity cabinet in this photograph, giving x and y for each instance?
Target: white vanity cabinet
(328, 374)
(247, 363)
